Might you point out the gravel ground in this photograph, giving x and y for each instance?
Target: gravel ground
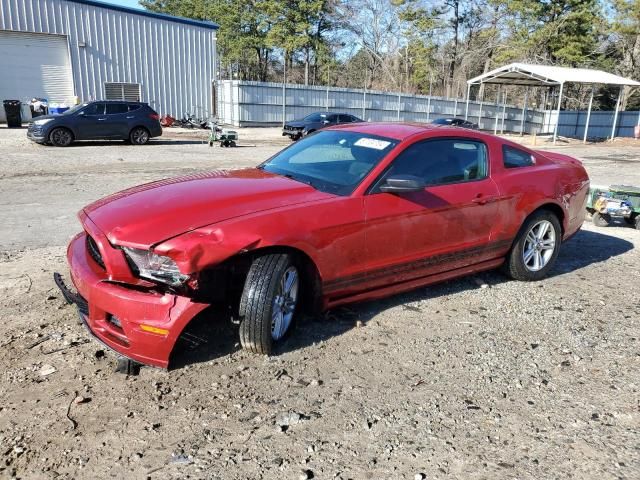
(478, 378)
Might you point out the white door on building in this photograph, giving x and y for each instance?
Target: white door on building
(34, 65)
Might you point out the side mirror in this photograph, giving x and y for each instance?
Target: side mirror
(81, 112)
(402, 184)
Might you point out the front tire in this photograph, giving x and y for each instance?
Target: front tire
(536, 248)
(139, 136)
(269, 302)
(61, 137)
(600, 219)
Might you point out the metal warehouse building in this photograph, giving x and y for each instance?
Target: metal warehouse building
(60, 49)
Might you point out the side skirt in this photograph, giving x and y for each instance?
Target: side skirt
(388, 290)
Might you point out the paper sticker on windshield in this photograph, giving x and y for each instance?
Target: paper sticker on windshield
(372, 143)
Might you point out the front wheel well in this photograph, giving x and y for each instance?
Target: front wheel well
(73, 135)
(232, 274)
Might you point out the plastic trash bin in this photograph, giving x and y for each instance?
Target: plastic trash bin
(12, 109)
(57, 110)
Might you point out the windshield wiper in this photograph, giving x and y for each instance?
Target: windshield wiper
(306, 182)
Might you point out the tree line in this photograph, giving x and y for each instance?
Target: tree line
(420, 46)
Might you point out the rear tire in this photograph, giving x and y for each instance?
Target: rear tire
(600, 219)
(269, 302)
(139, 136)
(637, 217)
(536, 247)
(61, 137)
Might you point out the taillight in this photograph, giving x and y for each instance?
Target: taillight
(154, 116)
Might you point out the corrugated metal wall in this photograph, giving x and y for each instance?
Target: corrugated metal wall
(243, 103)
(173, 62)
(572, 123)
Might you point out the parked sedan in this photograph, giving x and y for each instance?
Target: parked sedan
(102, 120)
(350, 213)
(455, 122)
(297, 129)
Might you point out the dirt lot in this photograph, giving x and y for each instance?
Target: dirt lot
(480, 378)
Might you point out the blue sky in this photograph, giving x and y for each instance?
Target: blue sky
(124, 3)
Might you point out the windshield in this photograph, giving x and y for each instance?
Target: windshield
(443, 121)
(332, 161)
(75, 108)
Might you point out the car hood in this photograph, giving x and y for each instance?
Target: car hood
(44, 117)
(148, 214)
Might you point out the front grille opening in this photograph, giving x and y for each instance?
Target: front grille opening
(93, 250)
(115, 322)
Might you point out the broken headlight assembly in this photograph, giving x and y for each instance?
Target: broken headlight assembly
(152, 266)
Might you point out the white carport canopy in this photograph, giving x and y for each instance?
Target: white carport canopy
(528, 75)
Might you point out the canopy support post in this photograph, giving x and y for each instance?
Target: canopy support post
(586, 126)
(480, 111)
(495, 125)
(504, 110)
(524, 112)
(429, 99)
(555, 130)
(615, 116)
(466, 109)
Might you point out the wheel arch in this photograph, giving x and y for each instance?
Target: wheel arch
(554, 208)
(549, 207)
(64, 127)
(312, 294)
(138, 126)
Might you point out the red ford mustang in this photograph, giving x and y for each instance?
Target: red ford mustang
(350, 213)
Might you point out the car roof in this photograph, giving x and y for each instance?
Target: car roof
(402, 131)
(117, 101)
(397, 131)
(323, 112)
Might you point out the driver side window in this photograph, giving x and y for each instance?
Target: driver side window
(442, 162)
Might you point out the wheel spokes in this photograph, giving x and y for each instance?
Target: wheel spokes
(542, 230)
(528, 255)
(284, 303)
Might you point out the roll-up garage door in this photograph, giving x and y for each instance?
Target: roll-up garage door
(34, 65)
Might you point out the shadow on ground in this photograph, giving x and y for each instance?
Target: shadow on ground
(103, 143)
(212, 335)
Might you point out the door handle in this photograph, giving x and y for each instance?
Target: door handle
(481, 200)
(130, 117)
(101, 119)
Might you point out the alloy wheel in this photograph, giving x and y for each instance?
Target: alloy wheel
(284, 303)
(140, 136)
(61, 136)
(539, 245)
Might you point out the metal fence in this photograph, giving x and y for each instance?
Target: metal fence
(244, 103)
(572, 124)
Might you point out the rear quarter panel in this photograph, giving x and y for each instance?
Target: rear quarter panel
(561, 182)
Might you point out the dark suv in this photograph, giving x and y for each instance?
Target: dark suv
(309, 124)
(100, 120)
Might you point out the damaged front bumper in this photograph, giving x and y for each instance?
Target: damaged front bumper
(142, 325)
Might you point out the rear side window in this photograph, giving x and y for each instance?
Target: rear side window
(116, 108)
(514, 158)
(133, 107)
(440, 162)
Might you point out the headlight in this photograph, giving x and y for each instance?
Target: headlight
(43, 121)
(155, 267)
